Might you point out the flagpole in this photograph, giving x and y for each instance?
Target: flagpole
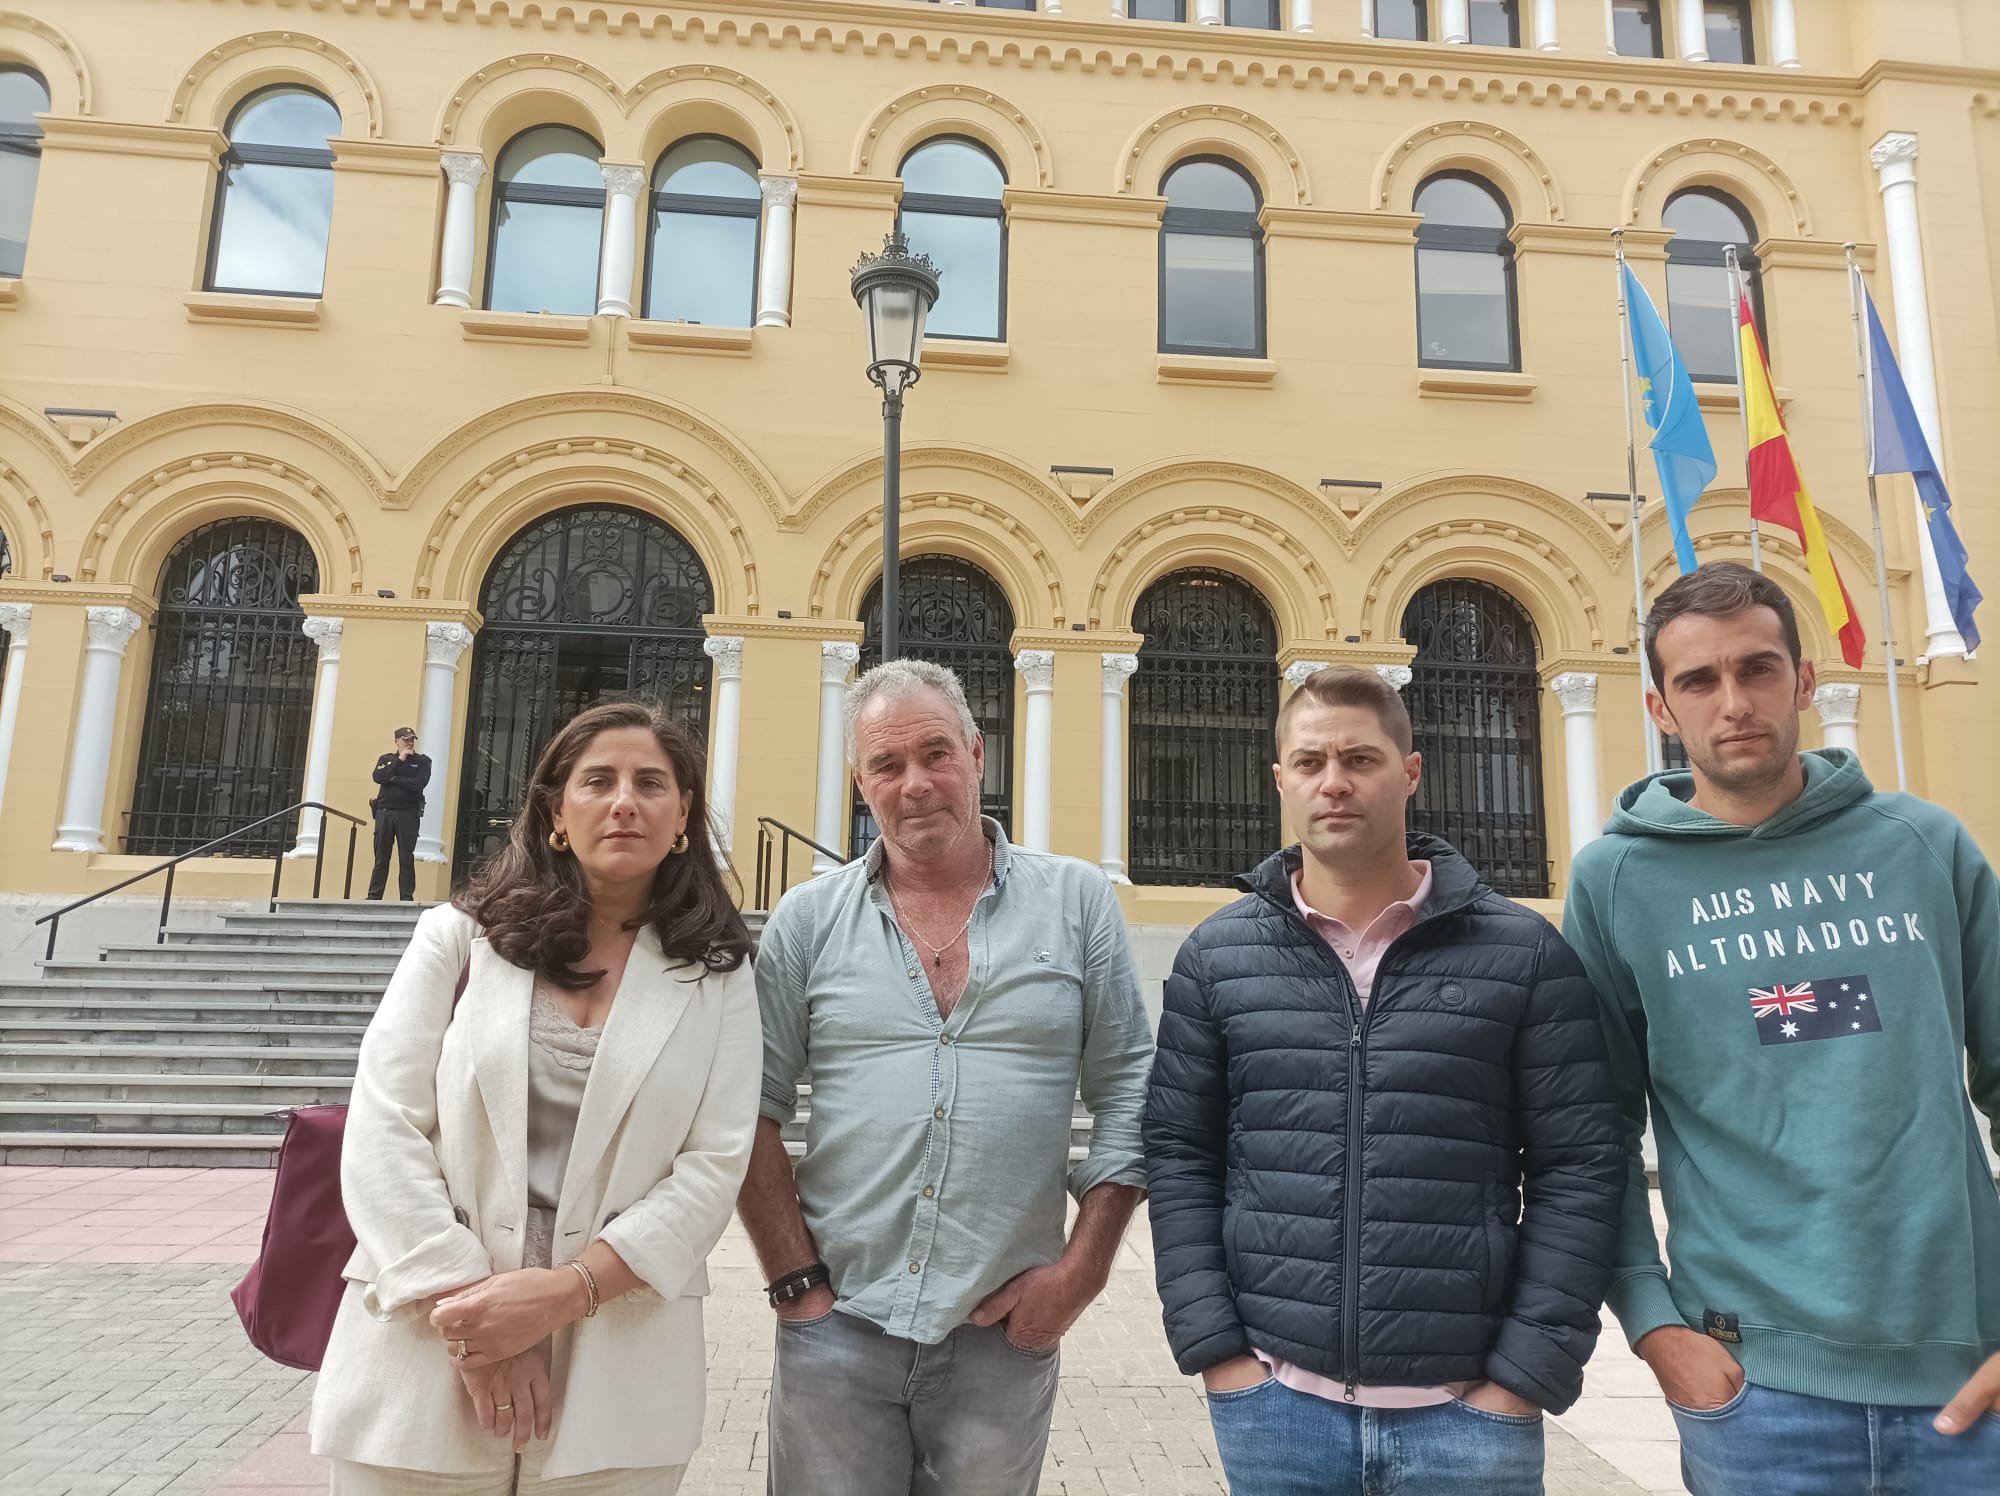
(1649, 734)
(1742, 396)
(1863, 364)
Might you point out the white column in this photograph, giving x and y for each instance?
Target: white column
(1118, 669)
(1895, 158)
(1455, 21)
(1545, 26)
(1396, 675)
(1368, 16)
(727, 652)
(324, 632)
(1693, 31)
(774, 265)
(1578, 694)
(444, 643)
(1117, 10)
(1302, 17)
(1840, 716)
(107, 632)
(1051, 7)
(462, 169)
(14, 619)
(1611, 29)
(1038, 670)
(1300, 671)
(1208, 12)
(830, 805)
(622, 186)
(1784, 34)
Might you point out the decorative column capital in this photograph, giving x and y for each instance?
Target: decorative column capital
(1118, 668)
(110, 629)
(1038, 668)
(1396, 675)
(779, 192)
(727, 652)
(1895, 157)
(1576, 690)
(836, 659)
(462, 168)
(1838, 705)
(624, 181)
(445, 642)
(14, 622)
(325, 632)
(1300, 671)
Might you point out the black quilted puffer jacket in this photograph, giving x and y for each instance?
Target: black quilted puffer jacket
(1425, 1192)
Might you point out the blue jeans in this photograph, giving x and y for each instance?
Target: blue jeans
(856, 1412)
(1277, 1442)
(1763, 1442)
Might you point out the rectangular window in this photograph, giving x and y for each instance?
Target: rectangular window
(1261, 15)
(545, 258)
(1157, 10)
(967, 251)
(1702, 321)
(1210, 293)
(1402, 20)
(1728, 26)
(1008, 4)
(704, 269)
(1635, 28)
(1494, 23)
(1463, 319)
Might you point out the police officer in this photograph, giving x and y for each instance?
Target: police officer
(402, 775)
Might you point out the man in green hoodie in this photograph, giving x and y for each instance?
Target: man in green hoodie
(1794, 970)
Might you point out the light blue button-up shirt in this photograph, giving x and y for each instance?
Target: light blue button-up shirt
(938, 1150)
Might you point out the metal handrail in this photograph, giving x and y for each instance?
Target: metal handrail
(778, 849)
(54, 919)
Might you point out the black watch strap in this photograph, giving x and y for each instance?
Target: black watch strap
(795, 1286)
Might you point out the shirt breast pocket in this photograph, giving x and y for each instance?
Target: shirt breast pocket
(1036, 1003)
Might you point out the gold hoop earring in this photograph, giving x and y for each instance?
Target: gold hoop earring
(680, 844)
(559, 840)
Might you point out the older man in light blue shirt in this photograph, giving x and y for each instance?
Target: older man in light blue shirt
(950, 995)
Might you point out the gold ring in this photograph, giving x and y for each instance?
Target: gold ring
(503, 1407)
(461, 1353)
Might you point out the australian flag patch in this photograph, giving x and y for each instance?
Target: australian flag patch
(1833, 1008)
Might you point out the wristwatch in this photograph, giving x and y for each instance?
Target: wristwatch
(796, 1285)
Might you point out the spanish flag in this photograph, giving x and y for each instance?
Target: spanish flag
(1778, 494)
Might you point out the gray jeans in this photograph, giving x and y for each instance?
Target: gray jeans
(855, 1412)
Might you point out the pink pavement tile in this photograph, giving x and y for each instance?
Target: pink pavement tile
(126, 1251)
(282, 1465)
(20, 1251)
(215, 1251)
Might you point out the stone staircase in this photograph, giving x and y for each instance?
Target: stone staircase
(192, 1051)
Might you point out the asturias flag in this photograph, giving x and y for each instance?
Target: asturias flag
(1778, 493)
(1681, 449)
(1900, 447)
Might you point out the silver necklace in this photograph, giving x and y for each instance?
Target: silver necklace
(937, 951)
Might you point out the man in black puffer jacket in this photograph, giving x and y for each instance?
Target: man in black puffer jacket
(1381, 1144)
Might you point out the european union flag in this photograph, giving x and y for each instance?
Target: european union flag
(1681, 449)
(1900, 447)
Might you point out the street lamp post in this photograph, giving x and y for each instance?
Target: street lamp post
(895, 291)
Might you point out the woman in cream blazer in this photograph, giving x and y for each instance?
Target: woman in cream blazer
(486, 1344)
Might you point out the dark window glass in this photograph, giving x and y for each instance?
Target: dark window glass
(1261, 15)
(1465, 277)
(1727, 23)
(1635, 28)
(23, 95)
(1008, 4)
(1402, 20)
(701, 257)
(1211, 261)
(953, 213)
(1704, 224)
(548, 223)
(1157, 10)
(275, 206)
(1494, 23)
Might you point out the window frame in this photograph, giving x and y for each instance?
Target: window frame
(1463, 239)
(1423, 23)
(559, 197)
(1656, 16)
(963, 207)
(26, 140)
(262, 155)
(1745, 12)
(658, 202)
(1708, 253)
(1220, 224)
(1277, 16)
(1179, 17)
(1513, 14)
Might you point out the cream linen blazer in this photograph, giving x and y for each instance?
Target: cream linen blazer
(434, 1176)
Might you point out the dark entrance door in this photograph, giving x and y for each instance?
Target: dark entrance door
(1475, 704)
(590, 604)
(1203, 804)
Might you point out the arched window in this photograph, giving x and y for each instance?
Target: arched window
(274, 203)
(701, 248)
(953, 213)
(589, 604)
(1475, 707)
(1402, 20)
(230, 700)
(548, 223)
(1465, 276)
(1636, 30)
(1204, 807)
(1705, 223)
(23, 95)
(954, 615)
(1211, 261)
(1494, 23)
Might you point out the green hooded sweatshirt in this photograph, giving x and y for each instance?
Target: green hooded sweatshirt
(1797, 1001)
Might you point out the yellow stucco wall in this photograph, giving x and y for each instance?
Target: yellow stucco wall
(408, 442)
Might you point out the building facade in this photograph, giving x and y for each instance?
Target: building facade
(458, 365)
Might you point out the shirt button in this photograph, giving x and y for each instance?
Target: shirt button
(938, 1112)
(916, 1267)
(911, 972)
(929, 1192)
(944, 1038)
(1349, 955)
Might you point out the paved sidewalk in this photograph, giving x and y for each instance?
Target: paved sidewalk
(127, 1372)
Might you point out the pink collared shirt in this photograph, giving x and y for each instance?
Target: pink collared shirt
(1362, 955)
